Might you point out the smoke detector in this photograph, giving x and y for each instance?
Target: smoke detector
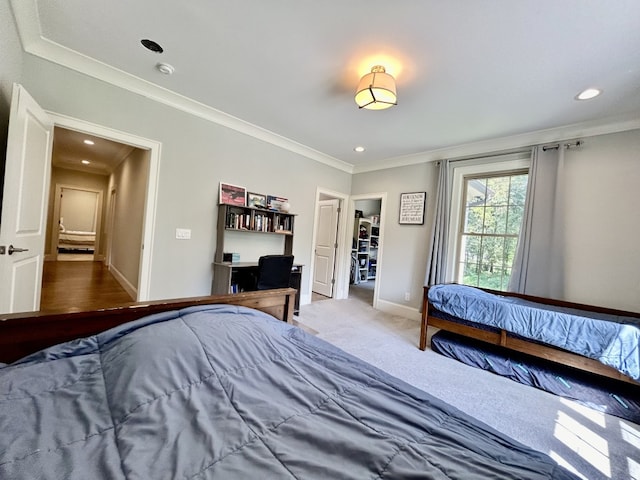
(165, 68)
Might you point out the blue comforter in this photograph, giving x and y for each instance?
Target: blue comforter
(612, 340)
(228, 392)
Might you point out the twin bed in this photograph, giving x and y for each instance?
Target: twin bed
(599, 340)
(74, 241)
(216, 387)
(585, 353)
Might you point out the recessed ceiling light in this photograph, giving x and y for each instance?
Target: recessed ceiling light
(89, 142)
(151, 45)
(359, 149)
(86, 162)
(588, 93)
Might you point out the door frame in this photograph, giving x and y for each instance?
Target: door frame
(153, 147)
(57, 205)
(334, 229)
(340, 290)
(351, 214)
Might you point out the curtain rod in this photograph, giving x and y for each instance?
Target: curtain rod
(557, 146)
(489, 155)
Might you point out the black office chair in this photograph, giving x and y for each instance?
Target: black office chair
(274, 271)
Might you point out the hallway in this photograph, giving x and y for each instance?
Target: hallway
(79, 286)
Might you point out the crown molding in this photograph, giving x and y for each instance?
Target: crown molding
(33, 42)
(28, 25)
(579, 130)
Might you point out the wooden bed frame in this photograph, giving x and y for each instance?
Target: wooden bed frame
(25, 333)
(502, 339)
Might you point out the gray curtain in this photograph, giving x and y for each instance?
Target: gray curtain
(538, 264)
(437, 260)
(518, 279)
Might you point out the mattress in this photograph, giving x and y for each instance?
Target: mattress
(605, 395)
(71, 237)
(229, 392)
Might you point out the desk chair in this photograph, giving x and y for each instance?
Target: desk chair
(274, 271)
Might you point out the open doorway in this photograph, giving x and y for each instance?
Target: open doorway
(364, 249)
(79, 213)
(367, 227)
(89, 163)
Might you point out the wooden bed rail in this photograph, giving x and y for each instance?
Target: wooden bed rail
(503, 339)
(25, 333)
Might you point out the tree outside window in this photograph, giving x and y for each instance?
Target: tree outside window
(493, 208)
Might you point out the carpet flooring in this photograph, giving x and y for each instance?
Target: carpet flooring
(594, 445)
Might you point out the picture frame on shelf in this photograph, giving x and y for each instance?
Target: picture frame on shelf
(412, 206)
(256, 200)
(279, 204)
(233, 194)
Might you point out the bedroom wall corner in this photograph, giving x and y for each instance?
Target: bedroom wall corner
(405, 246)
(196, 155)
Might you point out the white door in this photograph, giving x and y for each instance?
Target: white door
(24, 207)
(325, 247)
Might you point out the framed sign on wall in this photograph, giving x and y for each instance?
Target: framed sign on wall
(412, 208)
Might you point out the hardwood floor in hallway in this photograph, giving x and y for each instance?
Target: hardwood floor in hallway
(79, 286)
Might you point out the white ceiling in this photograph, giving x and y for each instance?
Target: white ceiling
(471, 75)
(103, 155)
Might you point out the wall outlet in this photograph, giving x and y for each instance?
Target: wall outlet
(407, 296)
(183, 233)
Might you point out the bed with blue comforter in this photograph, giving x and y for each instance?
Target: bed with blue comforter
(229, 392)
(611, 339)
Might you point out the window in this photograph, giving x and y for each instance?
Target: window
(492, 209)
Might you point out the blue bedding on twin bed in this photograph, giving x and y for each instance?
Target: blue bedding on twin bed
(228, 392)
(612, 340)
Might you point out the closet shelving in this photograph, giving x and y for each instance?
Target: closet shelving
(366, 235)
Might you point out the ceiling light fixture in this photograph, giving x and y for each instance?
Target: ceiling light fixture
(376, 90)
(89, 142)
(359, 149)
(588, 94)
(86, 162)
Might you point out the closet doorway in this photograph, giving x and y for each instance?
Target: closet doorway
(366, 246)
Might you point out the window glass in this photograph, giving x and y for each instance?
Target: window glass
(493, 209)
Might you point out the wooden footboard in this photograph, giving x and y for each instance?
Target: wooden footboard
(25, 333)
(502, 339)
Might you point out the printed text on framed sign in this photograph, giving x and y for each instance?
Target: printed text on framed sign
(412, 208)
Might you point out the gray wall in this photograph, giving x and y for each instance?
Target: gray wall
(601, 262)
(599, 254)
(404, 246)
(130, 183)
(10, 72)
(196, 155)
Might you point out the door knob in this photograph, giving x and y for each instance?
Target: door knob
(13, 249)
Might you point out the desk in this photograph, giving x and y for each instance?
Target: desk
(236, 277)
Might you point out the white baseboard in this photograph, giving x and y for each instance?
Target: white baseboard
(124, 283)
(400, 310)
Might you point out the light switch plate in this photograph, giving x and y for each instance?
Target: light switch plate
(183, 233)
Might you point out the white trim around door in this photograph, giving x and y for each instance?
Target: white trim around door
(154, 147)
(341, 287)
(351, 214)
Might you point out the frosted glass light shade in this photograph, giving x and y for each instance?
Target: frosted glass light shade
(376, 90)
